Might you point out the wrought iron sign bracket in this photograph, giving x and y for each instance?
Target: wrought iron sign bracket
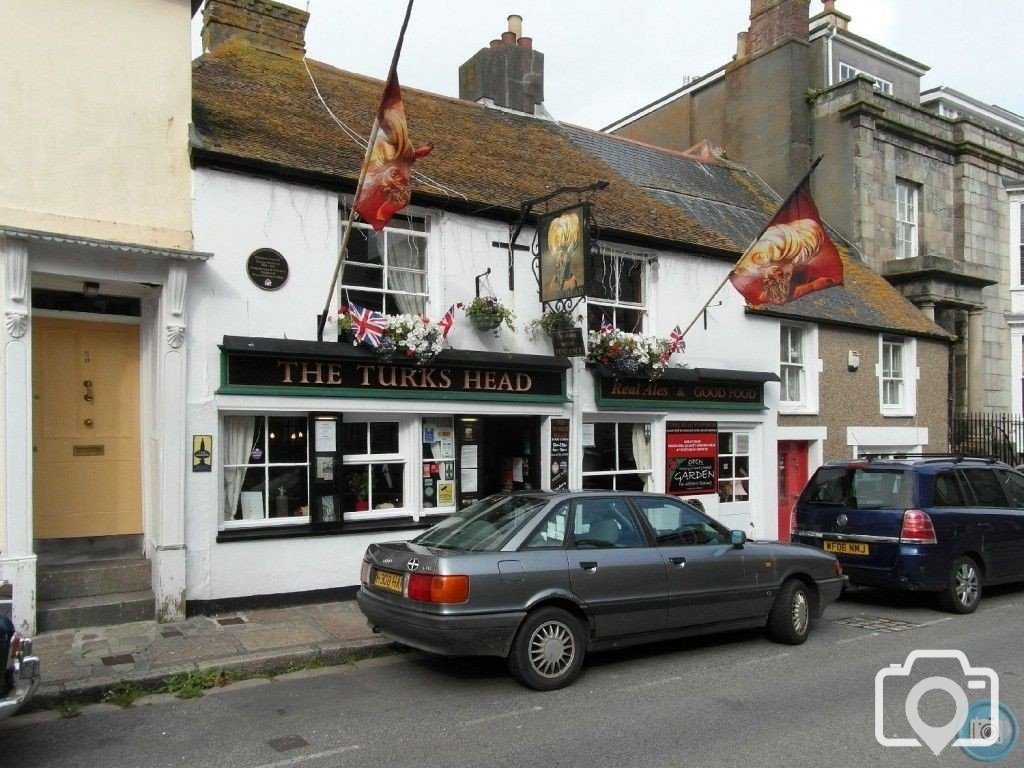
(482, 274)
(524, 211)
(705, 312)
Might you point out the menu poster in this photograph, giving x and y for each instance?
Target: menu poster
(691, 457)
(559, 454)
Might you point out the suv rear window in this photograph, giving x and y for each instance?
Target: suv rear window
(859, 488)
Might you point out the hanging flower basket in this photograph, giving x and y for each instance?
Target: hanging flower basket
(488, 314)
(411, 337)
(628, 355)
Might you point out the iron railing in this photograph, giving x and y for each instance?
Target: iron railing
(988, 434)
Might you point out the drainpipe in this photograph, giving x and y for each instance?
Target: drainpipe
(828, 56)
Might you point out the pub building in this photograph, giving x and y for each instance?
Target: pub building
(309, 449)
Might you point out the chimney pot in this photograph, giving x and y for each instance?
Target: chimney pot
(830, 5)
(508, 38)
(515, 24)
(495, 44)
(525, 42)
(741, 45)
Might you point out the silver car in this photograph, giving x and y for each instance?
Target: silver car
(540, 578)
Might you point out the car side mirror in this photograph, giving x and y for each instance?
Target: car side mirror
(738, 538)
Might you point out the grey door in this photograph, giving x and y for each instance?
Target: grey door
(613, 569)
(707, 578)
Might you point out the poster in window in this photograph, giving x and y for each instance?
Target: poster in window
(564, 241)
(324, 467)
(326, 437)
(445, 494)
(559, 454)
(691, 457)
(327, 513)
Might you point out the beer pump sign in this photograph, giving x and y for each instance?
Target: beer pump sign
(691, 457)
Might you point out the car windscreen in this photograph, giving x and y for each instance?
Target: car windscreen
(860, 488)
(483, 526)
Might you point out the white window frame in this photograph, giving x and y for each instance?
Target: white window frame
(809, 368)
(848, 72)
(1017, 242)
(393, 227)
(612, 307)
(404, 457)
(906, 215)
(907, 379)
(650, 482)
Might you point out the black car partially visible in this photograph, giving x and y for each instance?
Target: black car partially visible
(20, 671)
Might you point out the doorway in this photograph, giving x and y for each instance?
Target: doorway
(85, 412)
(497, 453)
(792, 478)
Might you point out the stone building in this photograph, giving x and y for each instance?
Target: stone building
(925, 186)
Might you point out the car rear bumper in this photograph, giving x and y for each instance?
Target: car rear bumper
(912, 572)
(26, 680)
(478, 635)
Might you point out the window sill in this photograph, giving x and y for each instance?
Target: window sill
(228, 535)
(797, 410)
(897, 414)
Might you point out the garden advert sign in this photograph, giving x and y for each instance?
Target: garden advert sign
(691, 457)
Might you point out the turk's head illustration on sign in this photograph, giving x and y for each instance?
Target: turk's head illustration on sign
(563, 246)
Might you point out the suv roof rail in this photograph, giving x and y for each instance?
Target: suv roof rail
(956, 457)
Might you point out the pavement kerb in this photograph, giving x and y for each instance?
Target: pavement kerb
(247, 666)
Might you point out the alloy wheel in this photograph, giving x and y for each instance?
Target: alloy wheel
(800, 612)
(552, 649)
(966, 584)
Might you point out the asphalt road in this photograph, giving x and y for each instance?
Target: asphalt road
(730, 700)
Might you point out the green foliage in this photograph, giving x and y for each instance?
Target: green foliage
(550, 322)
(190, 685)
(69, 709)
(487, 313)
(124, 694)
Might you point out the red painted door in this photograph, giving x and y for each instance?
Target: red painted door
(792, 478)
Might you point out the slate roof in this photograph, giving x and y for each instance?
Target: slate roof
(258, 110)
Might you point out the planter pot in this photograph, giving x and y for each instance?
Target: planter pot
(485, 322)
(361, 505)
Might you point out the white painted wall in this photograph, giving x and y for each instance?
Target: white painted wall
(235, 214)
(96, 107)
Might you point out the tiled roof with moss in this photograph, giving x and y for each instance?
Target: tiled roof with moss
(253, 106)
(259, 109)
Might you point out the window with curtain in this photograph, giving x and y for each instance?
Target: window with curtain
(266, 468)
(733, 466)
(892, 372)
(906, 219)
(373, 471)
(387, 271)
(792, 372)
(620, 458)
(615, 289)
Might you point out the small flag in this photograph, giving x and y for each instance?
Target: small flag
(606, 327)
(368, 325)
(387, 185)
(446, 322)
(792, 258)
(675, 338)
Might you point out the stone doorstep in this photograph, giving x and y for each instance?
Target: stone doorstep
(250, 665)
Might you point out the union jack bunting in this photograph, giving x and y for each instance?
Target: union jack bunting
(446, 322)
(675, 338)
(606, 327)
(367, 324)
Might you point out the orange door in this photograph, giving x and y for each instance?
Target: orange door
(85, 385)
(792, 478)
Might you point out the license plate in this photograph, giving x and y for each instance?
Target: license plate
(846, 547)
(389, 581)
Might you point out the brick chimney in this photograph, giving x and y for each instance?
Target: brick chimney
(772, 21)
(509, 71)
(268, 25)
(830, 17)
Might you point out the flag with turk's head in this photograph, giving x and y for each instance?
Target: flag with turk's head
(368, 325)
(387, 186)
(794, 256)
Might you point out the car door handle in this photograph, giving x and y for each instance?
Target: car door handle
(679, 561)
(589, 566)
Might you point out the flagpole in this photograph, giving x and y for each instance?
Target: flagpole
(343, 251)
(764, 229)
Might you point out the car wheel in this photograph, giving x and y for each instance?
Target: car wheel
(790, 619)
(547, 653)
(963, 592)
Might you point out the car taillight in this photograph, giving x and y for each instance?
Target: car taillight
(12, 653)
(364, 573)
(917, 528)
(438, 589)
(839, 568)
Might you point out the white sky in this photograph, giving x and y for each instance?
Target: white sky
(605, 58)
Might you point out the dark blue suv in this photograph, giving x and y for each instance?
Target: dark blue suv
(943, 524)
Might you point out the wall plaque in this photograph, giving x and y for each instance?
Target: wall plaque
(267, 269)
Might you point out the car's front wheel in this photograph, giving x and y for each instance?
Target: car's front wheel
(963, 592)
(548, 650)
(790, 619)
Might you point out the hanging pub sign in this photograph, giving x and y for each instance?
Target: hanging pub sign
(691, 457)
(564, 243)
(267, 269)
